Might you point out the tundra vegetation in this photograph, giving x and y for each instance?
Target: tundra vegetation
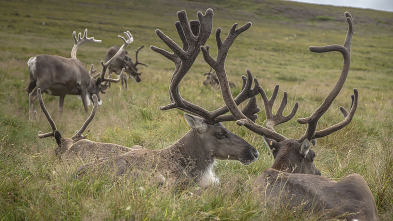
(35, 184)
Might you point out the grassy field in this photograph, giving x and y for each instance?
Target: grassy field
(34, 184)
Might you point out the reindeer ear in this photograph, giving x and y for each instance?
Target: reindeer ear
(272, 144)
(196, 122)
(305, 147)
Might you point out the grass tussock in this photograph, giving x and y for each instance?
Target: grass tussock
(34, 184)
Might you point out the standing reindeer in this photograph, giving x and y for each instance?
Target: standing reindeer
(293, 180)
(192, 157)
(212, 80)
(124, 61)
(60, 76)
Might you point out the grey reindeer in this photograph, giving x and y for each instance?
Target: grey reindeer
(192, 157)
(59, 76)
(126, 63)
(293, 180)
(212, 80)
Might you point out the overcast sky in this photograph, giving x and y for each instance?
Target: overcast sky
(384, 5)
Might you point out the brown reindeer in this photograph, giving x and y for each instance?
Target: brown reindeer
(124, 61)
(293, 180)
(60, 76)
(78, 147)
(191, 158)
(212, 80)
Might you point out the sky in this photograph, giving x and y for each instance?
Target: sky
(382, 5)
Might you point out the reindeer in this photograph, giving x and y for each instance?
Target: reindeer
(124, 61)
(293, 180)
(60, 76)
(212, 80)
(192, 157)
(78, 147)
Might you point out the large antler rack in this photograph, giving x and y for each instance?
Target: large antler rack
(81, 40)
(312, 120)
(136, 57)
(79, 134)
(193, 35)
(127, 40)
(55, 133)
(271, 119)
(218, 65)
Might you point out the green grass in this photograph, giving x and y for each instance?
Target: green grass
(34, 184)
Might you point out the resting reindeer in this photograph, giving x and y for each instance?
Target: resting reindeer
(192, 157)
(60, 76)
(293, 180)
(123, 61)
(78, 147)
(212, 80)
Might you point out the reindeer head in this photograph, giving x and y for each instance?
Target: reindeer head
(206, 126)
(211, 79)
(131, 67)
(98, 82)
(65, 144)
(293, 155)
(220, 142)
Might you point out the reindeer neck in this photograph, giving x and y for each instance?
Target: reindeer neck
(189, 152)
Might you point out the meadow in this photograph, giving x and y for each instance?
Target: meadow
(35, 185)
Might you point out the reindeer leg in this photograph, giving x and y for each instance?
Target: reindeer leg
(126, 81)
(61, 103)
(84, 101)
(109, 76)
(32, 112)
(29, 90)
(31, 86)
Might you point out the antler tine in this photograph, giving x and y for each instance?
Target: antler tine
(250, 111)
(78, 135)
(271, 119)
(312, 121)
(128, 40)
(51, 122)
(343, 123)
(246, 93)
(208, 73)
(55, 133)
(91, 72)
(81, 40)
(219, 66)
(193, 36)
(136, 57)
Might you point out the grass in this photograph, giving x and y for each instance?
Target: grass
(36, 185)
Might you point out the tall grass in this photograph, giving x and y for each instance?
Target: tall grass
(34, 184)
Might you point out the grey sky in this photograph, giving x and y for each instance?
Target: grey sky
(384, 5)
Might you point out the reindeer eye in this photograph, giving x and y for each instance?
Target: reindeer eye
(221, 135)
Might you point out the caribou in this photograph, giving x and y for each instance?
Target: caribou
(212, 80)
(192, 157)
(123, 61)
(294, 181)
(78, 148)
(59, 76)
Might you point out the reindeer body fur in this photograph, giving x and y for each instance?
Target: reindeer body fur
(58, 75)
(349, 198)
(87, 151)
(184, 161)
